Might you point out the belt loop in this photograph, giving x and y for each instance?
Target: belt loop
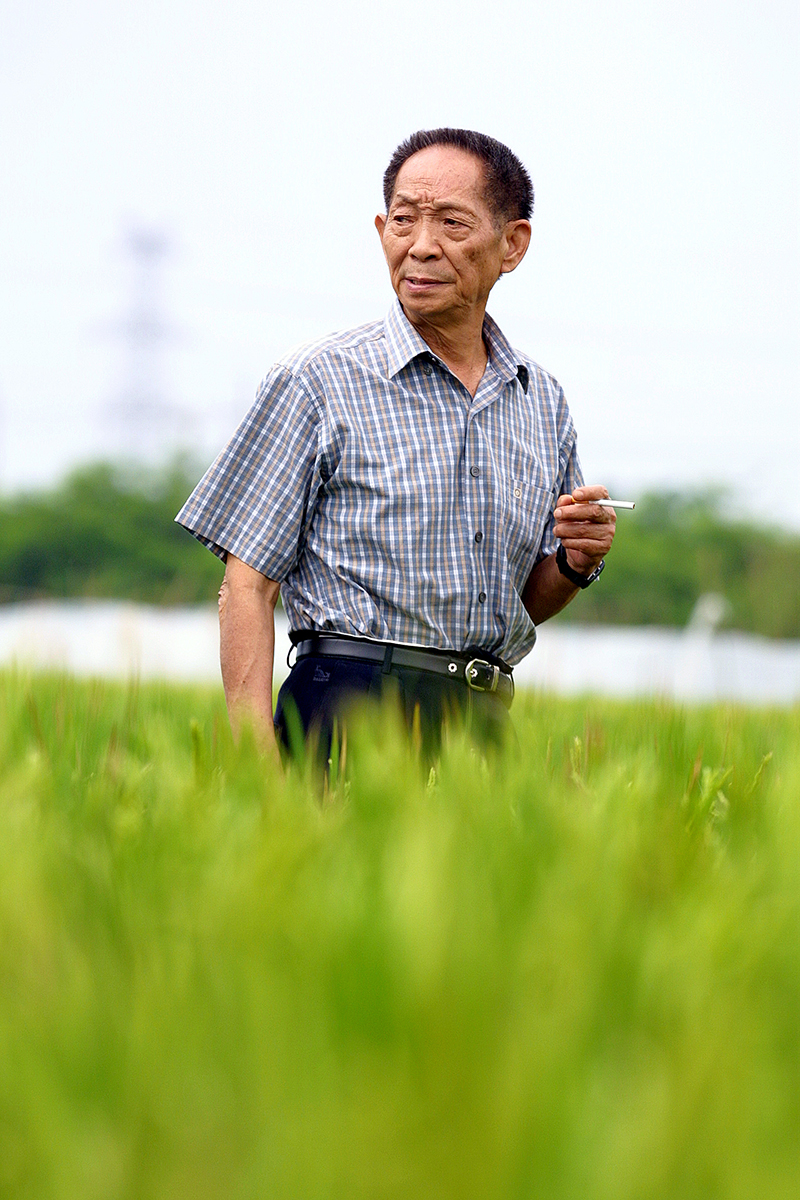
(387, 659)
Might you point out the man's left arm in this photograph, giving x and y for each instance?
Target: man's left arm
(586, 532)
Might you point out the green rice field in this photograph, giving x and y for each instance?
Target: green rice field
(571, 972)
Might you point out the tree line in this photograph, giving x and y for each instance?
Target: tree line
(108, 532)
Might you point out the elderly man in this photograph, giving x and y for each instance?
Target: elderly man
(411, 488)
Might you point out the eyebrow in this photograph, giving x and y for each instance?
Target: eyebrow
(402, 198)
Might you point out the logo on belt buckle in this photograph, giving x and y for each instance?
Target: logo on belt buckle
(472, 672)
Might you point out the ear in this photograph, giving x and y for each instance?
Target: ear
(517, 235)
(380, 224)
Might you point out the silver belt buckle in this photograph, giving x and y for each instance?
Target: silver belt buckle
(471, 674)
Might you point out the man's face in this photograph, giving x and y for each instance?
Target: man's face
(444, 247)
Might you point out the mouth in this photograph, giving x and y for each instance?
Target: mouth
(421, 282)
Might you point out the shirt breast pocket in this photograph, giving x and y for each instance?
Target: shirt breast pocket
(527, 510)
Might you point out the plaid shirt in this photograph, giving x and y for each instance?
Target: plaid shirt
(389, 502)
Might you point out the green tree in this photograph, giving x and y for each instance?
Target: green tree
(109, 532)
(106, 532)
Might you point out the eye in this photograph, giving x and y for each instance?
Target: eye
(453, 223)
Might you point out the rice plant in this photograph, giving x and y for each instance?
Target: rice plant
(568, 972)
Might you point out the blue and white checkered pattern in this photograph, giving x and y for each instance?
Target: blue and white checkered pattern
(389, 502)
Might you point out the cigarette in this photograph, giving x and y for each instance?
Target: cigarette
(612, 503)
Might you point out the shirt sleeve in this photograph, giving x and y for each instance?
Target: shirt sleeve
(253, 502)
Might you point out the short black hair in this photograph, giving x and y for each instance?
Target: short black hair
(508, 185)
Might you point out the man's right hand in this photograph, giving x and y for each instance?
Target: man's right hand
(247, 602)
(585, 531)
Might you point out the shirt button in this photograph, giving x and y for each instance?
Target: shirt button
(517, 492)
(479, 536)
(481, 597)
(427, 369)
(474, 472)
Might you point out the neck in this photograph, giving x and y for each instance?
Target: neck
(460, 347)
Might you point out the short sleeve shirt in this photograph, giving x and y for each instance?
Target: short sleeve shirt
(388, 501)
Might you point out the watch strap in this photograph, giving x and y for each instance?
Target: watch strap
(581, 581)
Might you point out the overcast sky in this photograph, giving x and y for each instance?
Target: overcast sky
(661, 284)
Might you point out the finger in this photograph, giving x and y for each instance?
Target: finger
(588, 492)
(593, 539)
(586, 514)
(587, 545)
(579, 502)
(575, 536)
(586, 523)
(570, 534)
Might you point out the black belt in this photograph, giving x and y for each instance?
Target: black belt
(477, 673)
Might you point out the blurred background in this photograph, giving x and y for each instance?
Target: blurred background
(189, 191)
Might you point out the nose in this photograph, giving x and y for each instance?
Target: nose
(426, 243)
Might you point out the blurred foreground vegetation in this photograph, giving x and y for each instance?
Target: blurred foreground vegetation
(574, 974)
(109, 532)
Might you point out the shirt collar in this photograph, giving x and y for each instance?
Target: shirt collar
(404, 344)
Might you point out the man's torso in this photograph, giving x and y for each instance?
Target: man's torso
(391, 503)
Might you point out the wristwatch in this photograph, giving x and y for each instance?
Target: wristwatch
(581, 581)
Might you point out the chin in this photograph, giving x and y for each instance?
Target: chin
(423, 304)
(422, 312)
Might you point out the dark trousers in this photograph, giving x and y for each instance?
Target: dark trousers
(315, 699)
